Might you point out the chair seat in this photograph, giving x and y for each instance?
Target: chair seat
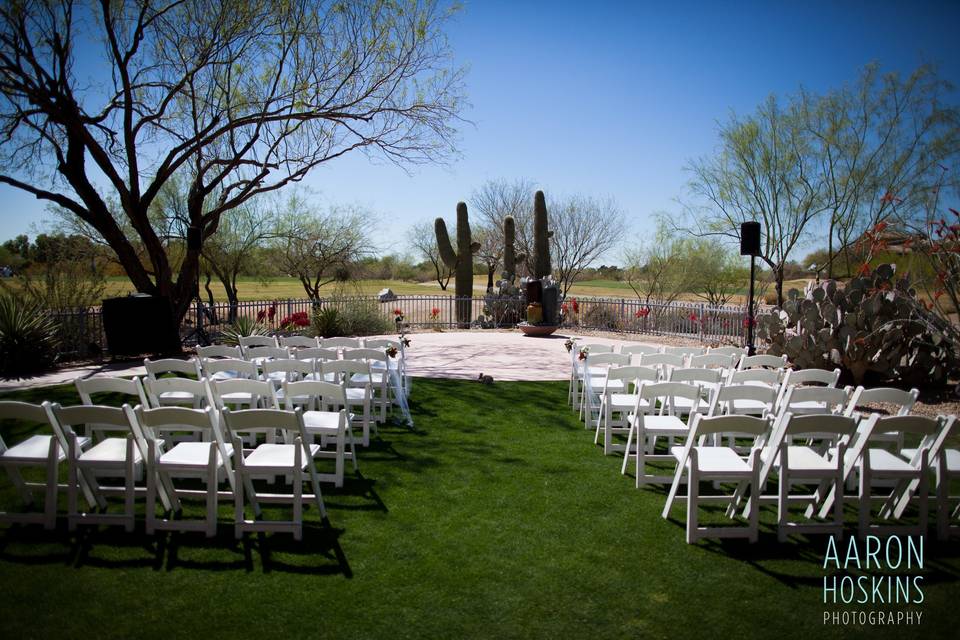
(225, 375)
(192, 454)
(176, 396)
(612, 385)
(110, 450)
(355, 393)
(684, 405)
(804, 459)
(749, 406)
(326, 421)
(662, 425)
(805, 407)
(881, 460)
(625, 401)
(375, 379)
(716, 460)
(278, 456)
(35, 449)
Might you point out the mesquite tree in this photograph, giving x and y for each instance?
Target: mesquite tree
(236, 97)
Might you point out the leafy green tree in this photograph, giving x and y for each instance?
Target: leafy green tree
(238, 98)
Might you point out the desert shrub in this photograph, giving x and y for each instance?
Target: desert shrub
(28, 337)
(243, 326)
(362, 317)
(326, 322)
(874, 325)
(600, 315)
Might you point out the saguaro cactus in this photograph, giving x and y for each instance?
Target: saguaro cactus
(510, 256)
(460, 261)
(541, 238)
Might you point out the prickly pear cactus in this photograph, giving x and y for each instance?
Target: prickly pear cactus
(873, 324)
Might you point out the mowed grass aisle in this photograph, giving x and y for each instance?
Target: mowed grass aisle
(496, 518)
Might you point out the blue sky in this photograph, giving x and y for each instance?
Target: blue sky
(612, 99)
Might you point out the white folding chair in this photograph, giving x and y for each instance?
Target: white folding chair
(762, 361)
(228, 369)
(179, 368)
(744, 399)
(574, 390)
(263, 354)
(665, 361)
(618, 400)
(176, 392)
(708, 379)
(686, 351)
(728, 350)
(325, 414)
(39, 451)
(219, 351)
(806, 464)
(721, 361)
(594, 374)
(379, 376)
(272, 459)
(131, 388)
(359, 395)
(118, 456)
(900, 401)
(813, 400)
(240, 393)
(251, 342)
(655, 415)
(823, 377)
(290, 370)
(772, 378)
(340, 343)
(299, 342)
(206, 459)
(934, 443)
(948, 469)
(638, 349)
(718, 464)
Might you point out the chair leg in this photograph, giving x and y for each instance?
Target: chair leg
(864, 511)
(353, 448)
(50, 498)
(782, 504)
(755, 495)
(298, 490)
(152, 472)
(693, 488)
(129, 493)
(626, 452)
(924, 490)
(72, 482)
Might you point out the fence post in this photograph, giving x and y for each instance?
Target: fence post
(701, 316)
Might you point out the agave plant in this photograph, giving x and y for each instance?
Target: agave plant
(242, 327)
(28, 338)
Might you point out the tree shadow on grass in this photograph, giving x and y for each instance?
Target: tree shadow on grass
(113, 547)
(280, 552)
(33, 545)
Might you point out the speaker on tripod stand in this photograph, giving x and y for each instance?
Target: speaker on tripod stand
(750, 246)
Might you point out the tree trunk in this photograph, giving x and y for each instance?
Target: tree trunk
(778, 281)
(830, 249)
(490, 270)
(213, 308)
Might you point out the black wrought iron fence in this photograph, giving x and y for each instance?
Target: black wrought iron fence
(82, 335)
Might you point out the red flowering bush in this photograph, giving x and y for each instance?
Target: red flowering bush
(295, 320)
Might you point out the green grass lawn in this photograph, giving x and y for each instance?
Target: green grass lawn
(496, 517)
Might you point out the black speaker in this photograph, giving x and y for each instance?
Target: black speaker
(139, 324)
(534, 291)
(750, 239)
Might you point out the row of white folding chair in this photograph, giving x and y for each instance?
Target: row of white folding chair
(136, 451)
(808, 465)
(241, 393)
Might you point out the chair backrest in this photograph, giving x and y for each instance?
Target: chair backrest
(313, 395)
(317, 354)
(257, 341)
(248, 393)
(686, 351)
(596, 347)
(343, 369)
(713, 360)
(769, 377)
(833, 400)
(369, 355)
(202, 422)
(665, 392)
(762, 361)
(662, 359)
(904, 400)
(294, 369)
(276, 353)
(118, 420)
(607, 359)
(188, 368)
(41, 414)
(196, 389)
(299, 342)
(341, 343)
(708, 376)
(734, 424)
(728, 351)
(233, 366)
(382, 343)
(630, 374)
(220, 351)
(262, 421)
(812, 376)
(129, 387)
(637, 349)
(725, 400)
